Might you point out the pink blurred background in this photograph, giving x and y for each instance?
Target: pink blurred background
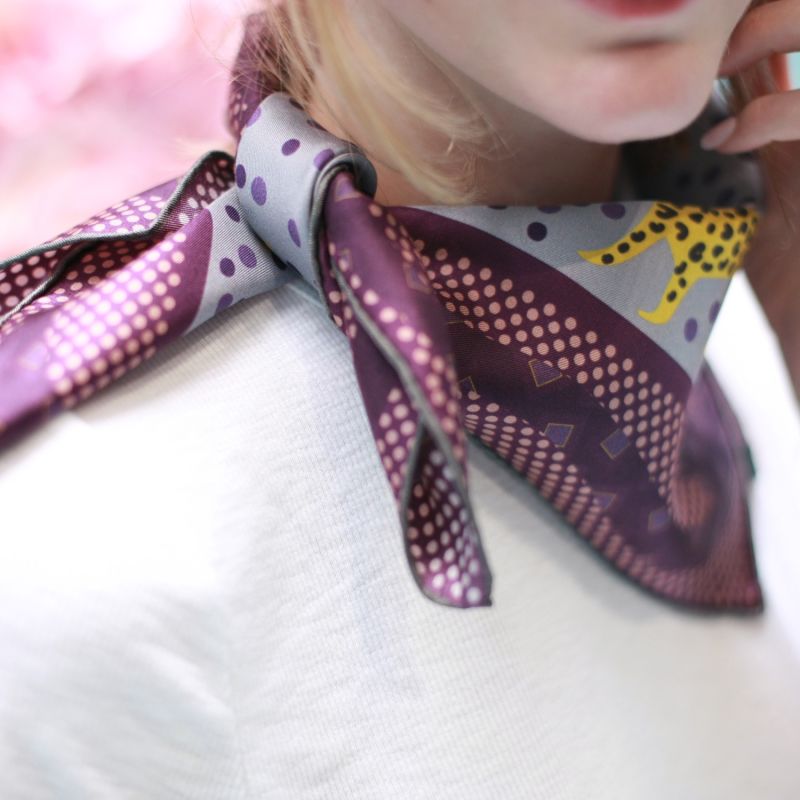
(100, 99)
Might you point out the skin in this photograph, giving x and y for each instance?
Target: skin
(564, 86)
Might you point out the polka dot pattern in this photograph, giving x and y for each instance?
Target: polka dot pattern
(538, 459)
(280, 159)
(432, 365)
(443, 541)
(118, 291)
(440, 538)
(166, 206)
(436, 520)
(571, 349)
(259, 189)
(489, 303)
(453, 331)
(581, 457)
(109, 329)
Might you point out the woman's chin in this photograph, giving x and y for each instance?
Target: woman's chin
(621, 98)
(646, 123)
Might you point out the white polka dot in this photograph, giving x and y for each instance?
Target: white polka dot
(405, 333)
(474, 594)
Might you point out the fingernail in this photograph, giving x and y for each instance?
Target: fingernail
(718, 134)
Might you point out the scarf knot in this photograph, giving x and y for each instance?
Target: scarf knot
(566, 339)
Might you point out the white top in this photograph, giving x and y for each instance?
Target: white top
(159, 638)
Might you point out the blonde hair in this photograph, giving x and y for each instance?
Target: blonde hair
(306, 32)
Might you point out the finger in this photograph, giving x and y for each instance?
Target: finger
(768, 118)
(768, 29)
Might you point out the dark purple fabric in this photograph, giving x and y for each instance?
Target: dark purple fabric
(453, 331)
(686, 538)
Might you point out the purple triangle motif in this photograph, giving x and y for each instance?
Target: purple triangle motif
(615, 444)
(543, 373)
(558, 432)
(604, 499)
(658, 519)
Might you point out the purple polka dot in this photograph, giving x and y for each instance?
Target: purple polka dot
(227, 267)
(254, 117)
(241, 176)
(497, 208)
(314, 124)
(233, 213)
(259, 190)
(294, 103)
(322, 158)
(224, 302)
(290, 146)
(690, 329)
(549, 209)
(293, 232)
(247, 256)
(713, 311)
(613, 210)
(537, 231)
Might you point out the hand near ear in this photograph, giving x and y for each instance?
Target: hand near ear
(771, 122)
(768, 31)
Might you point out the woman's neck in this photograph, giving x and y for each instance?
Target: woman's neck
(540, 164)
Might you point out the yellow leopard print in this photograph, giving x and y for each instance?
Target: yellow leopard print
(705, 243)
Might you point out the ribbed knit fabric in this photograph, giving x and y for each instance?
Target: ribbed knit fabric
(170, 644)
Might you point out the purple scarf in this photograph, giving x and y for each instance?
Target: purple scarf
(568, 340)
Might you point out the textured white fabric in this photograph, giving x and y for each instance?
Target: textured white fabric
(231, 615)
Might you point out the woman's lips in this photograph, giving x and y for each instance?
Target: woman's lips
(635, 8)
